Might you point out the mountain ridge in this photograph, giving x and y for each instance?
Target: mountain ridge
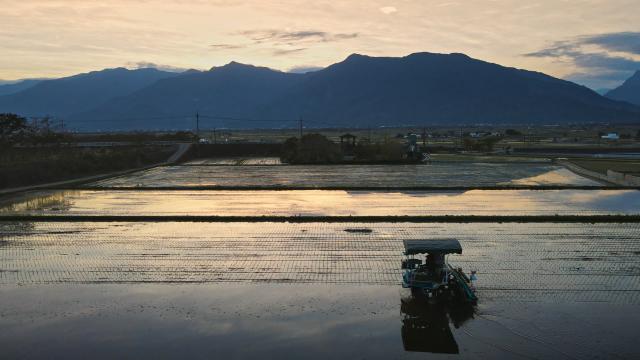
(18, 86)
(360, 91)
(629, 91)
(65, 96)
(433, 97)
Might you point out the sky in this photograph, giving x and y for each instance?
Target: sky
(592, 42)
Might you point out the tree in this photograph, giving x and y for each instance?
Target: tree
(386, 151)
(290, 150)
(485, 144)
(13, 129)
(311, 149)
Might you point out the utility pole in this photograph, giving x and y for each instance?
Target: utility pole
(300, 123)
(214, 135)
(198, 126)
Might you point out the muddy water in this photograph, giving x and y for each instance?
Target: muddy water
(325, 203)
(576, 262)
(437, 174)
(167, 290)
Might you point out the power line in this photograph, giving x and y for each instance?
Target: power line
(183, 120)
(198, 125)
(300, 124)
(182, 117)
(199, 117)
(227, 118)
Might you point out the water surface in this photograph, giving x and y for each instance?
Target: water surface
(436, 174)
(324, 202)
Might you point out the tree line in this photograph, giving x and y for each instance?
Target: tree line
(15, 130)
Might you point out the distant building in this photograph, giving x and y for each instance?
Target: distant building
(611, 136)
(481, 134)
(348, 145)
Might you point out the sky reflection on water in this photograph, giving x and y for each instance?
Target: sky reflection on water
(325, 202)
(436, 174)
(293, 321)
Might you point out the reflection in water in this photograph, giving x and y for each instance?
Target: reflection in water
(55, 201)
(425, 325)
(453, 174)
(8, 240)
(557, 176)
(324, 203)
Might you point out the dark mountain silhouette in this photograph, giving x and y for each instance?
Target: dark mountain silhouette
(629, 91)
(362, 91)
(12, 88)
(441, 89)
(64, 96)
(233, 90)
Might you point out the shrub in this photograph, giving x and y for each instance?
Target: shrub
(311, 149)
(387, 151)
(485, 144)
(13, 129)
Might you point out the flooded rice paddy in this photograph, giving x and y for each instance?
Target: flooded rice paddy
(517, 261)
(167, 289)
(236, 161)
(324, 203)
(238, 321)
(436, 174)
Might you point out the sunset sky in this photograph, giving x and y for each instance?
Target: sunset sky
(592, 42)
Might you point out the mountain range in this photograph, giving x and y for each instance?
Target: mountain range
(7, 88)
(629, 91)
(66, 96)
(361, 91)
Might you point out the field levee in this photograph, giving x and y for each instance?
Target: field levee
(611, 177)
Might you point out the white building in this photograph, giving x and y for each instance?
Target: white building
(611, 136)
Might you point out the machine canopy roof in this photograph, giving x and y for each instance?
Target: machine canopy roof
(440, 246)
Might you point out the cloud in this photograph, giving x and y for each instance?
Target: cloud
(304, 69)
(146, 65)
(623, 42)
(627, 42)
(600, 60)
(388, 10)
(289, 37)
(280, 52)
(227, 46)
(345, 36)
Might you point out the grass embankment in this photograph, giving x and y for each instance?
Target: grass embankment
(602, 165)
(32, 166)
